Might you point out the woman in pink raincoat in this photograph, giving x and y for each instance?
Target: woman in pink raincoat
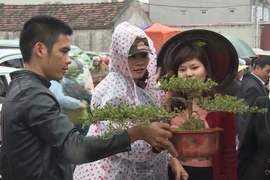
(131, 79)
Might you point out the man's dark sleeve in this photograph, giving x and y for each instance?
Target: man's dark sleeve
(250, 143)
(44, 118)
(250, 95)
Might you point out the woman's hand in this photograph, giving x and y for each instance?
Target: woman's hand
(178, 170)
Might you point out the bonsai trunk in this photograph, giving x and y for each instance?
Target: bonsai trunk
(189, 106)
(190, 109)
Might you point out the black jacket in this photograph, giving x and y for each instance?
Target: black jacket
(254, 149)
(39, 142)
(251, 88)
(232, 89)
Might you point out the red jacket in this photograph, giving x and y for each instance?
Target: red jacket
(224, 161)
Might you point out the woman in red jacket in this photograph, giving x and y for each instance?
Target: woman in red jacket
(192, 61)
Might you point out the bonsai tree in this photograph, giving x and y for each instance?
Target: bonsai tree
(193, 89)
(122, 115)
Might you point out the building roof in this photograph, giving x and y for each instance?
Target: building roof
(78, 16)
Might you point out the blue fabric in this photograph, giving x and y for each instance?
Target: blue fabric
(73, 88)
(66, 102)
(145, 27)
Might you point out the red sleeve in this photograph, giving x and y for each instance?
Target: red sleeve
(228, 158)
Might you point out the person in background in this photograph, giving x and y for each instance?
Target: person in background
(66, 102)
(254, 148)
(39, 141)
(75, 89)
(248, 62)
(239, 76)
(131, 79)
(242, 67)
(233, 88)
(252, 87)
(99, 70)
(85, 76)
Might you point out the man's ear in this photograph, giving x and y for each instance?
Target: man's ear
(39, 50)
(257, 67)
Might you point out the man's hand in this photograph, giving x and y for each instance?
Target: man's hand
(178, 170)
(83, 105)
(157, 134)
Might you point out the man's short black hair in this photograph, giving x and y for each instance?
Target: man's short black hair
(262, 61)
(44, 29)
(248, 60)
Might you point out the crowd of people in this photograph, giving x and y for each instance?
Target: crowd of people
(43, 137)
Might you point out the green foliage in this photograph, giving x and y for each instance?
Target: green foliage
(188, 86)
(74, 72)
(77, 55)
(120, 117)
(228, 104)
(85, 114)
(192, 124)
(193, 88)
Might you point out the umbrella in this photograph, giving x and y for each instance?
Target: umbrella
(243, 50)
(160, 33)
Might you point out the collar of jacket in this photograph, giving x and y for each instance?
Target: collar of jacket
(24, 73)
(249, 74)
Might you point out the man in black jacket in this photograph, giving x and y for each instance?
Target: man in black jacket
(253, 152)
(252, 87)
(39, 142)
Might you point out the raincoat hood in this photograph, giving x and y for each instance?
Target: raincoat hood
(119, 85)
(122, 40)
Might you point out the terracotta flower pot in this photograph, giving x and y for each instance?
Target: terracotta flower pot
(197, 144)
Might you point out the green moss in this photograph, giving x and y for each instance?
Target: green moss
(193, 124)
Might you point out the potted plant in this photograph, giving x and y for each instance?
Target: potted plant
(192, 139)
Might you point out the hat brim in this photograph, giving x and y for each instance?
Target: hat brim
(138, 51)
(241, 67)
(221, 53)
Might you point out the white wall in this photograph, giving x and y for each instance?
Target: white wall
(199, 11)
(135, 15)
(94, 40)
(244, 32)
(9, 35)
